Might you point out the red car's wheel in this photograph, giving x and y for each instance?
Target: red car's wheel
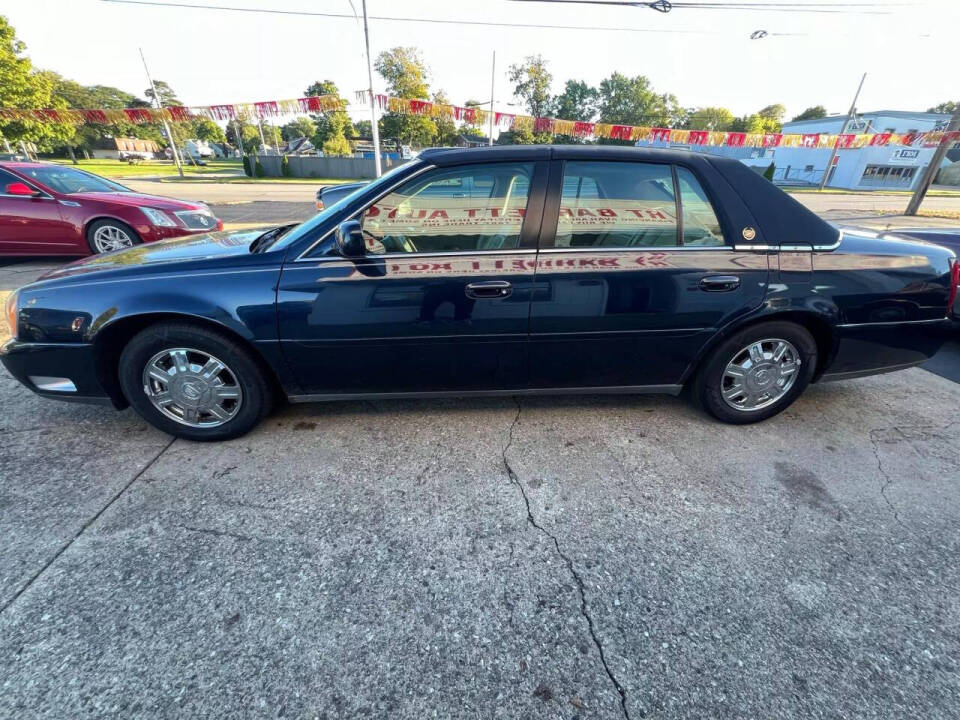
(108, 235)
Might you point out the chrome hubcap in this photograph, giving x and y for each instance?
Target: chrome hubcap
(110, 237)
(760, 374)
(192, 387)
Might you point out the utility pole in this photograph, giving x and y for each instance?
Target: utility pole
(238, 137)
(166, 126)
(493, 79)
(843, 130)
(930, 174)
(263, 140)
(375, 131)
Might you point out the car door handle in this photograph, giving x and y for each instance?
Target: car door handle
(720, 283)
(489, 289)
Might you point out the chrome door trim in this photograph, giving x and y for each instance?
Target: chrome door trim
(602, 390)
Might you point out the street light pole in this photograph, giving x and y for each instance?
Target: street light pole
(930, 174)
(375, 131)
(493, 79)
(166, 126)
(843, 130)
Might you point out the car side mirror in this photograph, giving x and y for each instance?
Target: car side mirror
(350, 239)
(21, 189)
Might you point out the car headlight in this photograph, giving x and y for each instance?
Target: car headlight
(11, 311)
(158, 217)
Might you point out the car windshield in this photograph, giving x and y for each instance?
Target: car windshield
(308, 225)
(70, 180)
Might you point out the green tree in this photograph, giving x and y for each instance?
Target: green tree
(632, 101)
(405, 72)
(812, 113)
(167, 96)
(298, 128)
(331, 128)
(322, 87)
(709, 118)
(945, 107)
(578, 101)
(531, 83)
(206, 129)
(364, 128)
(249, 136)
(406, 76)
(766, 120)
(23, 87)
(446, 126)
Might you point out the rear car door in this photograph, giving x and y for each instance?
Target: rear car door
(441, 301)
(637, 276)
(30, 224)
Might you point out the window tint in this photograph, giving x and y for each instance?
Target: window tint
(700, 224)
(617, 204)
(472, 207)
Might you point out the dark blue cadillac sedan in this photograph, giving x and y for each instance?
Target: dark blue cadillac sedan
(507, 270)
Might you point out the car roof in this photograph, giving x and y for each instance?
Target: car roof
(449, 156)
(23, 163)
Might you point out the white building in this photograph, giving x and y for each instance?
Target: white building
(866, 168)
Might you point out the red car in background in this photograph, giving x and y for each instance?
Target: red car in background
(50, 209)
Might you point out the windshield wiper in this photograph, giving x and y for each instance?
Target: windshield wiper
(266, 239)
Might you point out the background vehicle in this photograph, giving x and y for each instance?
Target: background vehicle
(329, 194)
(511, 270)
(49, 209)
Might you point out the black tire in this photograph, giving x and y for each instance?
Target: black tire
(110, 223)
(242, 367)
(709, 382)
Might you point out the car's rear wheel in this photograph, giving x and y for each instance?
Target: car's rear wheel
(108, 235)
(758, 372)
(193, 382)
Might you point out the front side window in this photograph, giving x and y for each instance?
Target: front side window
(462, 209)
(68, 180)
(617, 204)
(700, 225)
(7, 179)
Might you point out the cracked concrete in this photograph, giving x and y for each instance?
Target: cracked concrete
(584, 609)
(371, 560)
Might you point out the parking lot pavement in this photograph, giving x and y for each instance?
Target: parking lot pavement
(553, 557)
(488, 559)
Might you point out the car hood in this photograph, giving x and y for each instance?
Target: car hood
(138, 200)
(191, 249)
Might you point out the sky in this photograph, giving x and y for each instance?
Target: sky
(705, 57)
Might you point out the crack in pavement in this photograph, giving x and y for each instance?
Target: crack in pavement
(217, 533)
(84, 527)
(584, 610)
(888, 481)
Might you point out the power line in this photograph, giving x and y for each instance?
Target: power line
(438, 21)
(668, 5)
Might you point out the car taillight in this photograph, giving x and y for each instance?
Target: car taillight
(11, 311)
(954, 283)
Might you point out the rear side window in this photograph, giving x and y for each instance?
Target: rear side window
(700, 225)
(617, 204)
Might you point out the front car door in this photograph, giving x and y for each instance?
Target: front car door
(638, 275)
(441, 301)
(31, 224)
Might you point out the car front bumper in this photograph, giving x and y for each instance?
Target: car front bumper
(64, 371)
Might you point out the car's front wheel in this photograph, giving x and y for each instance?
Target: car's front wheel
(757, 372)
(108, 235)
(193, 382)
